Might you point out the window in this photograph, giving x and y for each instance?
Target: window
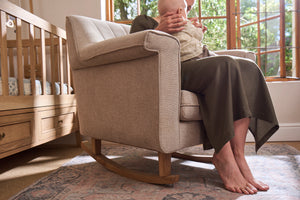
(266, 27)
(124, 11)
(270, 28)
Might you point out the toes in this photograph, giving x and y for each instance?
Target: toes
(245, 191)
(260, 185)
(231, 189)
(263, 187)
(251, 188)
(239, 190)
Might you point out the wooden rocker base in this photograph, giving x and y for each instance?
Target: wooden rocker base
(203, 159)
(132, 174)
(164, 177)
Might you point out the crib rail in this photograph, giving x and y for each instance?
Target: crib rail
(37, 46)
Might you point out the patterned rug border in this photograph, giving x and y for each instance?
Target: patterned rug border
(267, 150)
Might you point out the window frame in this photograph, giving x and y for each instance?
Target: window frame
(234, 32)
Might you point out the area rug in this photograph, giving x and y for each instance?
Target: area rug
(83, 178)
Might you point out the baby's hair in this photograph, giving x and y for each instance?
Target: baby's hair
(165, 6)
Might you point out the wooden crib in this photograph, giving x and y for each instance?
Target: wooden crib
(37, 101)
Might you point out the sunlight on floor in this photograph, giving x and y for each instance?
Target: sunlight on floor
(156, 158)
(84, 159)
(198, 165)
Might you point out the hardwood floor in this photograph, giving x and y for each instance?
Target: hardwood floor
(23, 169)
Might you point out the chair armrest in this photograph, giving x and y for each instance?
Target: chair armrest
(238, 53)
(119, 80)
(126, 48)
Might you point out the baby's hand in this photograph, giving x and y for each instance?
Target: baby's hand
(198, 24)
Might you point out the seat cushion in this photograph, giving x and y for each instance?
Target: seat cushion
(189, 107)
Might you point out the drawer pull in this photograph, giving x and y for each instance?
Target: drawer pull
(2, 135)
(60, 121)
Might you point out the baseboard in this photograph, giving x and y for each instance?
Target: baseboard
(286, 132)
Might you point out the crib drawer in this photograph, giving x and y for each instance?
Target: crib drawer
(15, 132)
(55, 124)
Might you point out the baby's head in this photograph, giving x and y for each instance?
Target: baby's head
(176, 6)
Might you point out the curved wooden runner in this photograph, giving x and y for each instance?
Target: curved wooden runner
(132, 174)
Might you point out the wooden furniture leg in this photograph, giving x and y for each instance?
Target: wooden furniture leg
(78, 138)
(164, 176)
(164, 161)
(96, 146)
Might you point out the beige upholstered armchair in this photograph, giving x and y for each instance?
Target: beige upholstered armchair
(128, 91)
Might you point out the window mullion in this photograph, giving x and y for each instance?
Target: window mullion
(258, 35)
(238, 21)
(199, 11)
(109, 10)
(297, 38)
(231, 30)
(282, 39)
(138, 3)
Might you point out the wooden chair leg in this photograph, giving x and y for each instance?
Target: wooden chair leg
(164, 176)
(96, 146)
(164, 162)
(78, 138)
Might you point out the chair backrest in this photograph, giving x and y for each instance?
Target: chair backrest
(88, 32)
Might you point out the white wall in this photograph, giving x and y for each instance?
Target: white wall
(55, 11)
(286, 100)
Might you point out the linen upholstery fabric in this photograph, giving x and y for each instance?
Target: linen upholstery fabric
(136, 98)
(238, 53)
(128, 86)
(189, 106)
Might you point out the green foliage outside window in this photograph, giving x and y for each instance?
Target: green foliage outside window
(125, 10)
(269, 32)
(149, 7)
(216, 35)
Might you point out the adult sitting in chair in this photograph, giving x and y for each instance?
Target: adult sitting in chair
(233, 97)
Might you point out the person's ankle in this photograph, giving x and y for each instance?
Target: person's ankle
(238, 154)
(219, 159)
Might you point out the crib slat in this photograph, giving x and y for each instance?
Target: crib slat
(4, 69)
(38, 66)
(19, 58)
(26, 63)
(53, 64)
(68, 70)
(32, 59)
(31, 18)
(43, 61)
(61, 70)
(11, 62)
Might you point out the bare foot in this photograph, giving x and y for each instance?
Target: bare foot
(231, 175)
(246, 172)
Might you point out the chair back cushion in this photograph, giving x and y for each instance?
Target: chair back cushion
(189, 107)
(90, 31)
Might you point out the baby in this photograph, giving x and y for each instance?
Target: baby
(190, 37)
